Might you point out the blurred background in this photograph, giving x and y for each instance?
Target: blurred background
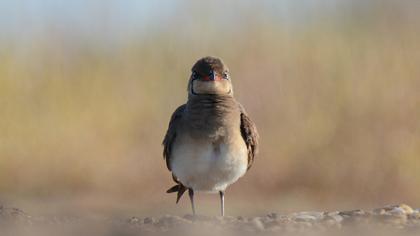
(87, 89)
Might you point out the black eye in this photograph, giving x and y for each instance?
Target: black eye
(194, 75)
(226, 75)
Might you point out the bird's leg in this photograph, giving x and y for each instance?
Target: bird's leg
(222, 202)
(191, 194)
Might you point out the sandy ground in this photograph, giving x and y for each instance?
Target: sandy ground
(389, 220)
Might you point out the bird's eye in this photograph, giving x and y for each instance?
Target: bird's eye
(226, 75)
(194, 75)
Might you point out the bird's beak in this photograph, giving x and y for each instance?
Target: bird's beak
(213, 76)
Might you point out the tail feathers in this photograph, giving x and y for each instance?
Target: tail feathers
(177, 188)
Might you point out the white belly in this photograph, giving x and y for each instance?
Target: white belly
(202, 166)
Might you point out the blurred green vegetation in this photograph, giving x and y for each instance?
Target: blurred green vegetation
(336, 99)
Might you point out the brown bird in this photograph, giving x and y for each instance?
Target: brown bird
(210, 142)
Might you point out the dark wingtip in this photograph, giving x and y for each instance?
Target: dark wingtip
(177, 188)
(181, 191)
(173, 189)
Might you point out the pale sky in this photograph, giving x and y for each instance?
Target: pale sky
(120, 19)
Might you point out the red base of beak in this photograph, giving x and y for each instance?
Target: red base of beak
(208, 78)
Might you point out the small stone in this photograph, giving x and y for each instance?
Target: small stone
(379, 211)
(397, 211)
(148, 220)
(316, 214)
(272, 215)
(133, 220)
(415, 215)
(304, 218)
(352, 213)
(329, 221)
(337, 218)
(258, 225)
(406, 208)
(331, 213)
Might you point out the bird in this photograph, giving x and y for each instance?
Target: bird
(211, 141)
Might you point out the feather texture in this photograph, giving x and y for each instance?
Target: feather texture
(250, 135)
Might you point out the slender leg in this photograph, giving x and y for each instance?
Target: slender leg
(191, 194)
(222, 202)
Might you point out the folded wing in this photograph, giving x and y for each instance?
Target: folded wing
(250, 135)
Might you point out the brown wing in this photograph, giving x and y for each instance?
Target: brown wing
(250, 136)
(167, 149)
(171, 134)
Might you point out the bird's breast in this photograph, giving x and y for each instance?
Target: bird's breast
(212, 118)
(205, 165)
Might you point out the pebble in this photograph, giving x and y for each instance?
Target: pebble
(397, 211)
(406, 208)
(415, 215)
(337, 218)
(396, 208)
(272, 215)
(133, 220)
(256, 222)
(379, 211)
(304, 218)
(148, 220)
(353, 213)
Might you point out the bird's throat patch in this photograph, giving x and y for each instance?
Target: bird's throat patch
(211, 87)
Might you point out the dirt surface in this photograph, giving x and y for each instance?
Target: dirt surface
(389, 220)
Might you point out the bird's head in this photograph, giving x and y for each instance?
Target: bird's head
(210, 76)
